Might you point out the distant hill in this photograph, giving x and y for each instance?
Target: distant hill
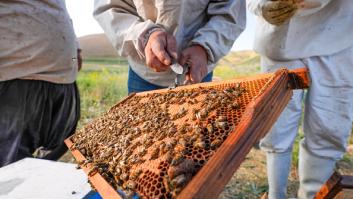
(241, 58)
(96, 45)
(244, 62)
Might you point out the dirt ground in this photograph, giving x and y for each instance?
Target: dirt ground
(250, 181)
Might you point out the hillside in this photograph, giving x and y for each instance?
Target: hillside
(243, 63)
(97, 45)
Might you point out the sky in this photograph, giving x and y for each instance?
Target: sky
(84, 23)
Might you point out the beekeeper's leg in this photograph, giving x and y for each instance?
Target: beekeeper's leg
(278, 142)
(328, 119)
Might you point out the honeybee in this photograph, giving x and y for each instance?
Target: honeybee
(199, 143)
(209, 128)
(130, 185)
(154, 153)
(179, 181)
(178, 158)
(216, 143)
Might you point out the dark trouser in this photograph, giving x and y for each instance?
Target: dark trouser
(36, 115)
(136, 84)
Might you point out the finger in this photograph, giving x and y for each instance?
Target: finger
(149, 56)
(187, 82)
(283, 18)
(276, 13)
(195, 74)
(172, 46)
(203, 73)
(158, 66)
(187, 79)
(158, 49)
(153, 62)
(276, 6)
(271, 6)
(185, 56)
(287, 15)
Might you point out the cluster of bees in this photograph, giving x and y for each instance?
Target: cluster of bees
(148, 130)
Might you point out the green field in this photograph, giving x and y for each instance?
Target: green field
(101, 86)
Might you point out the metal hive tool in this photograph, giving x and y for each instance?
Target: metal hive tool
(186, 142)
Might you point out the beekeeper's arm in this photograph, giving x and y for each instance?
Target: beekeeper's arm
(277, 12)
(215, 39)
(129, 33)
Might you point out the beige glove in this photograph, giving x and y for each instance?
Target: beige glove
(277, 12)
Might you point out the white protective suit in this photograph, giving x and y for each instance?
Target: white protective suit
(37, 42)
(321, 39)
(212, 24)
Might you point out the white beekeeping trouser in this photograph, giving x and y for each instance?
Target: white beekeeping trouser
(327, 124)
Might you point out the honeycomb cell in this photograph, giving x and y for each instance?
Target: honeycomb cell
(156, 192)
(202, 162)
(163, 190)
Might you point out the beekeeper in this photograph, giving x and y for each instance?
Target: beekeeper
(316, 34)
(155, 34)
(39, 60)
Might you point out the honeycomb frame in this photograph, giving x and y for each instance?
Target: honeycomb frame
(253, 120)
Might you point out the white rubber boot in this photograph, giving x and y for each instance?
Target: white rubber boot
(278, 167)
(314, 171)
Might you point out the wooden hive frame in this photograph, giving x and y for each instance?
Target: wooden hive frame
(333, 187)
(260, 114)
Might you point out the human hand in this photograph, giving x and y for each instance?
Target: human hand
(277, 12)
(79, 59)
(196, 58)
(160, 49)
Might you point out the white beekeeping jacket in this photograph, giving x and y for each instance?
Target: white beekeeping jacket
(37, 41)
(212, 24)
(322, 30)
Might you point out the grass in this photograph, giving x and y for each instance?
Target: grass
(101, 87)
(236, 66)
(106, 61)
(225, 72)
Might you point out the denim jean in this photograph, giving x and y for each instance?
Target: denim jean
(136, 84)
